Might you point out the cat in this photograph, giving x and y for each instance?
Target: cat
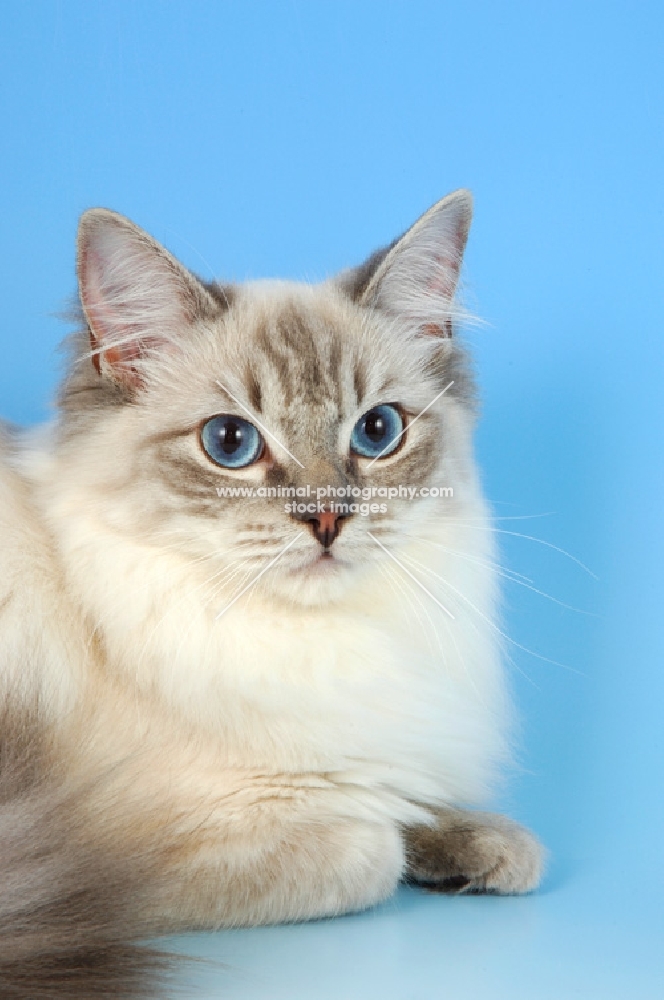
(225, 710)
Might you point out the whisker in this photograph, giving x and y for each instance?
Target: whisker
(509, 575)
(452, 636)
(485, 618)
(408, 573)
(259, 575)
(210, 597)
(492, 564)
(399, 585)
(221, 573)
(530, 538)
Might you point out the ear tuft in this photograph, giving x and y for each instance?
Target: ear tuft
(135, 296)
(417, 278)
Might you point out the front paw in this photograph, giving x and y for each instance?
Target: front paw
(472, 852)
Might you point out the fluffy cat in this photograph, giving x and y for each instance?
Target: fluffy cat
(229, 710)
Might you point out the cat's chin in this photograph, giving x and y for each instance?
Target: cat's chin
(324, 578)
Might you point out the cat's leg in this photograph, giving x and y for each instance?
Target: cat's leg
(279, 871)
(467, 851)
(231, 847)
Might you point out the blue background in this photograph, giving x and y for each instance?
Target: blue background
(290, 139)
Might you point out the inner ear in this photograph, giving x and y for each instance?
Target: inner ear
(136, 297)
(416, 278)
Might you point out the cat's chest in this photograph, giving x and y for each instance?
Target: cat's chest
(285, 666)
(371, 699)
(383, 691)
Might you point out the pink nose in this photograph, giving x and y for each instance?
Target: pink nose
(325, 527)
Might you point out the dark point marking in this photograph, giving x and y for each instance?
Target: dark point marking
(359, 382)
(356, 281)
(223, 295)
(451, 885)
(254, 391)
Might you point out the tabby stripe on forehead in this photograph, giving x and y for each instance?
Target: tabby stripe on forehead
(279, 360)
(254, 392)
(305, 371)
(334, 369)
(306, 364)
(359, 383)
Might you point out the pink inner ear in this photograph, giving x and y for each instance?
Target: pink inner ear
(443, 330)
(444, 279)
(105, 324)
(442, 284)
(120, 359)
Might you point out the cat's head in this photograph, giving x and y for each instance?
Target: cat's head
(313, 404)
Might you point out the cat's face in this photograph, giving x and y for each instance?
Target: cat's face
(274, 433)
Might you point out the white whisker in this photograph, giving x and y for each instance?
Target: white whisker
(257, 578)
(408, 573)
(530, 538)
(507, 574)
(399, 584)
(489, 622)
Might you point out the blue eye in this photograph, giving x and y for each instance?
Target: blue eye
(231, 441)
(378, 432)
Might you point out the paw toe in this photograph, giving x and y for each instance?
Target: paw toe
(475, 852)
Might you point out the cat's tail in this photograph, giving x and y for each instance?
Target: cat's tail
(70, 904)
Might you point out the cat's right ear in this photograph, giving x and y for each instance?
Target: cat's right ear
(136, 297)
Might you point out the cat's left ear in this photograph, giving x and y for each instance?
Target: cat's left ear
(137, 298)
(416, 277)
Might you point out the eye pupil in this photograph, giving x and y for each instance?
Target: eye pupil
(374, 427)
(232, 438)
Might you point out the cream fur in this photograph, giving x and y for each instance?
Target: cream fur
(292, 738)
